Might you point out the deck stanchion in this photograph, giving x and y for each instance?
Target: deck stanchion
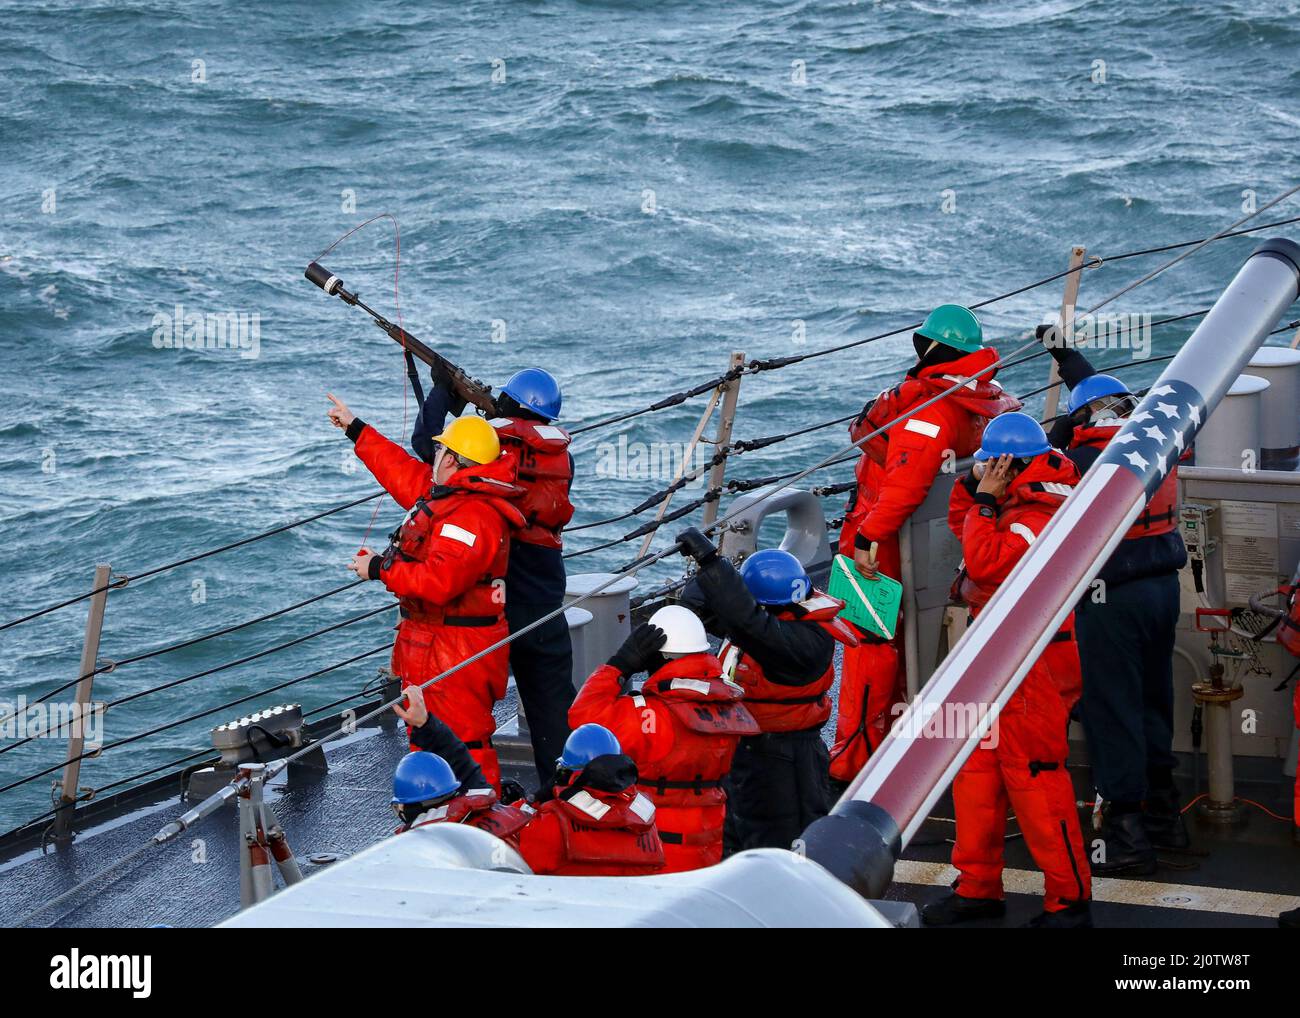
(1069, 302)
(681, 467)
(730, 397)
(68, 791)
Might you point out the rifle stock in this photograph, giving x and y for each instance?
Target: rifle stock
(470, 389)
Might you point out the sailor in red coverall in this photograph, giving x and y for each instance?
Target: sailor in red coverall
(997, 512)
(894, 476)
(682, 729)
(447, 565)
(597, 823)
(440, 783)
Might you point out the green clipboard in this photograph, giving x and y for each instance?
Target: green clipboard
(869, 604)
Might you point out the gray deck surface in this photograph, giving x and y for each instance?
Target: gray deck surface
(194, 880)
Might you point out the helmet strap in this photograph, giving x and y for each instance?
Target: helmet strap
(440, 454)
(1110, 408)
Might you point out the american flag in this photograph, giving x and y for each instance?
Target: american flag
(1157, 433)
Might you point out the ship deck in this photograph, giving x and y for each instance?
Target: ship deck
(1232, 877)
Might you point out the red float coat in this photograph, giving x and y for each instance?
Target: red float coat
(447, 566)
(1023, 762)
(682, 730)
(477, 807)
(1161, 514)
(589, 832)
(782, 708)
(894, 475)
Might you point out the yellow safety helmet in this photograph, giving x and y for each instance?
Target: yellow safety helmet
(471, 438)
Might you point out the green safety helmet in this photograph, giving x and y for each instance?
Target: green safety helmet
(954, 326)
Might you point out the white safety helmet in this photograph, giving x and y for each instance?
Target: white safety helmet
(684, 629)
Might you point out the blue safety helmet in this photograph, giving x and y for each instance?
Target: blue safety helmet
(1096, 387)
(535, 390)
(585, 744)
(774, 576)
(423, 777)
(1013, 434)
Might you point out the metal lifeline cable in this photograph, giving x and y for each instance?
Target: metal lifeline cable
(89, 754)
(1188, 243)
(207, 752)
(122, 579)
(139, 694)
(753, 444)
(734, 487)
(189, 757)
(749, 445)
(712, 494)
(112, 665)
(198, 813)
(775, 363)
(362, 695)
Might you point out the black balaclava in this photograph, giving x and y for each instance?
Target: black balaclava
(508, 406)
(612, 772)
(941, 353)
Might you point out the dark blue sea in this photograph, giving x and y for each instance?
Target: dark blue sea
(623, 193)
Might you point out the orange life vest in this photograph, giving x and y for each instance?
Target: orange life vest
(779, 708)
(545, 473)
(484, 602)
(593, 833)
(708, 719)
(1161, 513)
(973, 405)
(479, 808)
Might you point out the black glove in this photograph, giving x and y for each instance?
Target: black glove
(512, 791)
(640, 651)
(443, 379)
(693, 544)
(1051, 336)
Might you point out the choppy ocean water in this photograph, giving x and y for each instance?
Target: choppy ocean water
(621, 194)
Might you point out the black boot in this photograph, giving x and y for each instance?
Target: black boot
(956, 909)
(1076, 916)
(1127, 847)
(1163, 820)
(1290, 920)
